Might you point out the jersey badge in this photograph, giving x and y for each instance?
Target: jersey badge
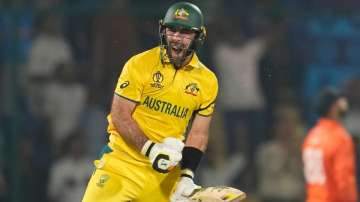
(192, 89)
(158, 78)
(102, 180)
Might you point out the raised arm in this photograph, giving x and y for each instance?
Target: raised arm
(199, 133)
(162, 155)
(121, 113)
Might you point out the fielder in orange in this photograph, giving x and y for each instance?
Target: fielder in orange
(328, 154)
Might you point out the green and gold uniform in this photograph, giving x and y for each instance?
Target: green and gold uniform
(166, 101)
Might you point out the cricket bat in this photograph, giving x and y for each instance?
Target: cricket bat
(217, 194)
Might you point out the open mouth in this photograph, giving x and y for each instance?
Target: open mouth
(176, 48)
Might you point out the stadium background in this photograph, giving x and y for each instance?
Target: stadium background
(59, 61)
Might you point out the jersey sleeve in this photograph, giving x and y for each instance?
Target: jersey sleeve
(344, 171)
(130, 83)
(208, 105)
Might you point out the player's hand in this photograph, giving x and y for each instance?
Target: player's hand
(163, 156)
(184, 189)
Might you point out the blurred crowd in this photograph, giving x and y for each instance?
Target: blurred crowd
(59, 61)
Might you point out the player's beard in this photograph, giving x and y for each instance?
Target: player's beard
(342, 113)
(177, 53)
(342, 107)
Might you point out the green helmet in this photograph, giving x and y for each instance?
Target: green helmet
(187, 16)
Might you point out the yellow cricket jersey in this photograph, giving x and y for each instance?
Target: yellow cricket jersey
(167, 98)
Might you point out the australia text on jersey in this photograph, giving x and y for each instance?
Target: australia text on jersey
(165, 107)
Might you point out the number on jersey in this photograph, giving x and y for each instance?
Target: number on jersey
(314, 171)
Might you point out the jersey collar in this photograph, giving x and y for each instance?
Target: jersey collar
(194, 62)
(328, 121)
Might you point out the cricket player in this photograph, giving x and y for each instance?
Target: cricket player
(159, 119)
(328, 154)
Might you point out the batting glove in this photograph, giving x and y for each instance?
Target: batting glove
(185, 187)
(163, 156)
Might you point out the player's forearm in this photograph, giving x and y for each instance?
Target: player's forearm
(197, 140)
(130, 131)
(199, 133)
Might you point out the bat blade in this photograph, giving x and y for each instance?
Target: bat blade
(217, 194)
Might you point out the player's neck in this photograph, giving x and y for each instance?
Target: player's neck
(334, 116)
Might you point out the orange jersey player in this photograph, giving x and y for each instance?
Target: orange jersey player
(328, 154)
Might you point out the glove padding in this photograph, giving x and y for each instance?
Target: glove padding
(163, 156)
(184, 189)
